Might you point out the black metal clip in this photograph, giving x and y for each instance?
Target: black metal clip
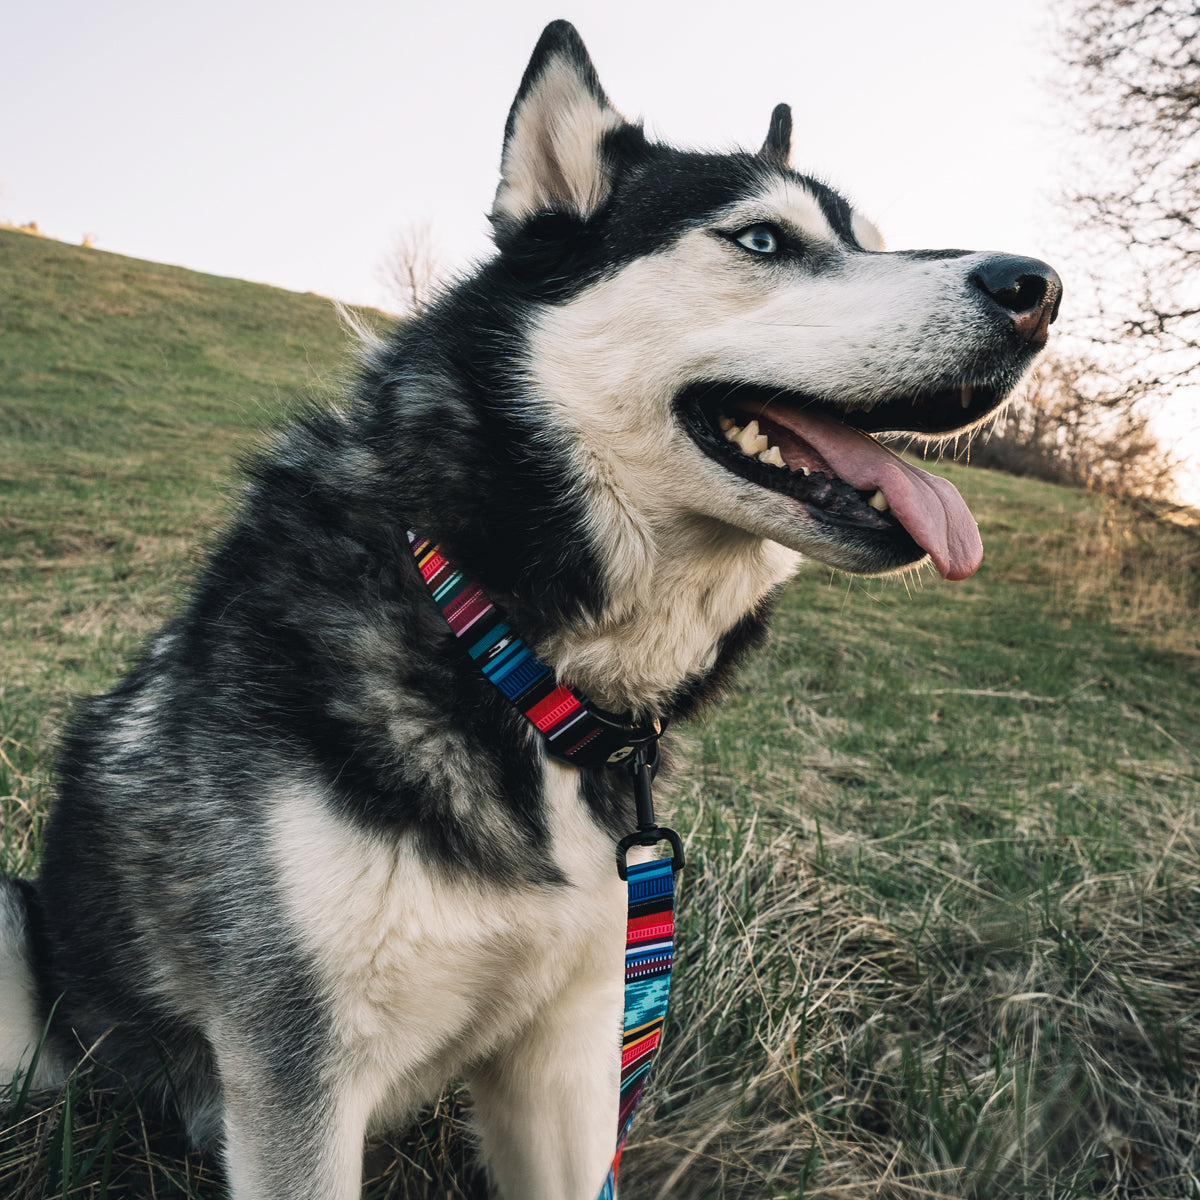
(641, 765)
(624, 736)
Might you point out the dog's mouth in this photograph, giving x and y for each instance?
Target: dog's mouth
(825, 458)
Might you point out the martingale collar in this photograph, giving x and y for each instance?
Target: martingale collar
(576, 730)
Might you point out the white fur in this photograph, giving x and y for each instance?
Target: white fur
(783, 202)
(428, 978)
(552, 161)
(20, 1026)
(867, 234)
(692, 584)
(254, 1147)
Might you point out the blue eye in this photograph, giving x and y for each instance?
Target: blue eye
(759, 238)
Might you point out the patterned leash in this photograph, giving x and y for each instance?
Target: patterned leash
(578, 732)
(649, 951)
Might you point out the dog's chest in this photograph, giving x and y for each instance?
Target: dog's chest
(418, 967)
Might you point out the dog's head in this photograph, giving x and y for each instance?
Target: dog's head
(723, 335)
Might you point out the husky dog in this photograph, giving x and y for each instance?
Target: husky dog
(306, 860)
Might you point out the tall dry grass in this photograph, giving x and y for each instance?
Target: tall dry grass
(966, 1047)
(1136, 567)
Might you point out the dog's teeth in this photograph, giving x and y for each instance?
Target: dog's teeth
(733, 433)
(725, 422)
(879, 502)
(773, 456)
(751, 441)
(805, 470)
(965, 396)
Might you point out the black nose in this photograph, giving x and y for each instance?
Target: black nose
(1026, 289)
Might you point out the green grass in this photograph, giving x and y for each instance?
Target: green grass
(966, 943)
(941, 922)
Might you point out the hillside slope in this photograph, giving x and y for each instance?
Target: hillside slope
(113, 371)
(941, 926)
(127, 391)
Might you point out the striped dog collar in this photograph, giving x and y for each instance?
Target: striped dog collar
(575, 729)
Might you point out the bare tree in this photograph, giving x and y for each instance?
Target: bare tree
(1089, 416)
(1133, 71)
(413, 273)
(1075, 424)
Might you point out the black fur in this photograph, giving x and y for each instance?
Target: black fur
(778, 145)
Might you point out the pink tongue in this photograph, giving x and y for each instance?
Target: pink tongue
(929, 507)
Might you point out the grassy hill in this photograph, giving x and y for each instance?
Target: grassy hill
(941, 926)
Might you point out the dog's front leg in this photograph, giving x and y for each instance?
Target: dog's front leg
(547, 1105)
(288, 1134)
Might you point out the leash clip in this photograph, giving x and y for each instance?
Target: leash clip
(633, 737)
(642, 765)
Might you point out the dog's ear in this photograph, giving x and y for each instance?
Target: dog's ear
(778, 146)
(554, 143)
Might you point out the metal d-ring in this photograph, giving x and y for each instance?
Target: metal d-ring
(648, 833)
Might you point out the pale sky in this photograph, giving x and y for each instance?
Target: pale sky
(289, 143)
(292, 143)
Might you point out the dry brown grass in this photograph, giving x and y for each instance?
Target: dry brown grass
(1136, 568)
